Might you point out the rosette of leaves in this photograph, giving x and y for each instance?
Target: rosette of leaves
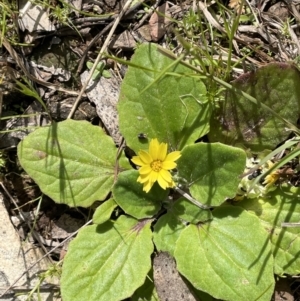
(76, 163)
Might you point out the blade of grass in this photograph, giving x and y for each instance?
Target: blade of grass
(29, 90)
(294, 153)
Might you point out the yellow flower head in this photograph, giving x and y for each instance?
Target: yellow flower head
(155, 165)
(271, 178)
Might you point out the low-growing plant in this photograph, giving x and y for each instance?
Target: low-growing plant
(8, 12)
(100, 71)
(175, 195)
(51, 274)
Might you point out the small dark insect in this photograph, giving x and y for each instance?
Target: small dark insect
(142, 136)
(243, 189)
(254, 175)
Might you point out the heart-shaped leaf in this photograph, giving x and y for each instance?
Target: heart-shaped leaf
(212, 171)
(241, 122)
(230, 258)
(162, 100)
(188, 212)
(129, 195)
(73, 162)
(166, 232)
(105, 262)
(281, 206)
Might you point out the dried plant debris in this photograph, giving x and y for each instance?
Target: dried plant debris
(104, 93)
(34, 17)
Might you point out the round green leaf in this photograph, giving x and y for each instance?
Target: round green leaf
(169, 226)
(73, 162)
(162, 99)
(241, 122)
(166, 232)
(189, 212)
(107, 262)
(104, 211)
(281, 206)
(212, 171)
(129, 195)
(229, 258)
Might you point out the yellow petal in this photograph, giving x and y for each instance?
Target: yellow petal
(165, 175)
(173, 156)
(162, 151)
(153, 149)
(153, 176)
(137, 161)
(169, 165)
(162, 183)
(145, 157)
(143, 179)
(271, 179)
(145, 170)
(172, 184)
(147, 186)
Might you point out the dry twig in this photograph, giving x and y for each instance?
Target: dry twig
(99, 57)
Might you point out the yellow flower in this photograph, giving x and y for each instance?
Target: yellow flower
(155, 165)
(271, 178)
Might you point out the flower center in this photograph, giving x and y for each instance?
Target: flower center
(156, 165)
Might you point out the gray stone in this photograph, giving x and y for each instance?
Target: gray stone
(15, 258)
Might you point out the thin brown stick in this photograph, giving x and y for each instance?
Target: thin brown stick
(99, 57)
(290, 225)
(102, 32)
(119, 153)
(192, 200)
(1, 103)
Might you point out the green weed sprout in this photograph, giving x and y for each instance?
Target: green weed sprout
(100, 71)
(53, 272)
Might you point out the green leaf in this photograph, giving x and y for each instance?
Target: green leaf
(166, 232)
(129, 195)
(169, 226)
(104, 211)
(96, 74)
(212, 171)
(229, 258)
(107, 262)
(168, 103)
(28, 89)
(89, 65)
(281, 206)
(201, 295)
(99, 70)
(241, 122)
(106, 73)
(147, 291)
(71, 161)
(189, 212)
